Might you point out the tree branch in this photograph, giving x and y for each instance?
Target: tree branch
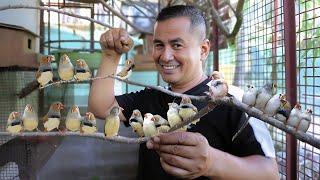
(122, 17)
(29, 88)
(119, 139)
(158, 88)
(210, 106)
(216, 18)
(239, 16)
(274, 122)
(212, 103)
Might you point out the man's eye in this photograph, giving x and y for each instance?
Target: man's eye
(158, 45)
(177, 46)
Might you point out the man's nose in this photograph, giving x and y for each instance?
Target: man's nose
(167, 54)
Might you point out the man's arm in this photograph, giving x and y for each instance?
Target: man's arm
(113, 43)
(188, 155)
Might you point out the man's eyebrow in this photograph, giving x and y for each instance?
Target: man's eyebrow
(176, 40)
(170, 41)
(157, 41)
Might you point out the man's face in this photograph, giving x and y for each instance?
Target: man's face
(177, 51)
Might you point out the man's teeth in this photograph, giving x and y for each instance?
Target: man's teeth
(169, 66)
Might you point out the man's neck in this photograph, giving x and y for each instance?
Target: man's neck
(185, 87)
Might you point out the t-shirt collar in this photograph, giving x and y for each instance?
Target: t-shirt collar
(198, 89)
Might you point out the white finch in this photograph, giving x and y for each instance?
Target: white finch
(294, 117)
(112, 123)
(250, 96)
(44, 74)
(82, 71)
(136, 122)
(14, 123)
(52, 119)
(88, 124)
(273, 105)
(161, 124)
(73, 119)
(284, 111)
(187, 109)
(218, 88)
(30, 118)
(149, 128)
(127, 69)
(173, 115)
(305, 120)
(264, 95)
(65, 68)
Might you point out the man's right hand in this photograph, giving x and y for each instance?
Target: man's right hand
(115, 41)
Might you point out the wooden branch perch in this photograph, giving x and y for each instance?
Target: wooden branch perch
(119, 139)
(159, 88)
(199, 115)
(29, 88)
(274, 122)
(55, 10)
(211, 105)
(218, 20)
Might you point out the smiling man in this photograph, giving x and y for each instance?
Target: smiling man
(206, 150)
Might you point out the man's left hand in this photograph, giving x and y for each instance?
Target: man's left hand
(183, 154)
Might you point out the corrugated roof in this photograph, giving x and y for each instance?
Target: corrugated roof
(15, 27)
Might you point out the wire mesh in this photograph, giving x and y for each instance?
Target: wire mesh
(308, 70)
(15, 157)
(257, 57)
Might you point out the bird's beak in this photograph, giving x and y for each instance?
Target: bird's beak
(61, 106)
(52, 58)
(15, 114)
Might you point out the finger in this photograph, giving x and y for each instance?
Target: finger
(117, 42)
(179, 150)
(125, 40)
(182, 138)
(175, 171)
(124, 37)
(128, 46)
(103, 41)
(150, 144)
(179, 162)
(109, 39)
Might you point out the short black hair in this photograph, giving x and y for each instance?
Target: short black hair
(195, 15)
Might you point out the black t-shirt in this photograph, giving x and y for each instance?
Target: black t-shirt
(218, 126)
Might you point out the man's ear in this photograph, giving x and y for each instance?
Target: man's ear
(205, 49)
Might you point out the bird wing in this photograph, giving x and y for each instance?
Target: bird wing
(45, 118)
(38, 74)
(15, 122)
